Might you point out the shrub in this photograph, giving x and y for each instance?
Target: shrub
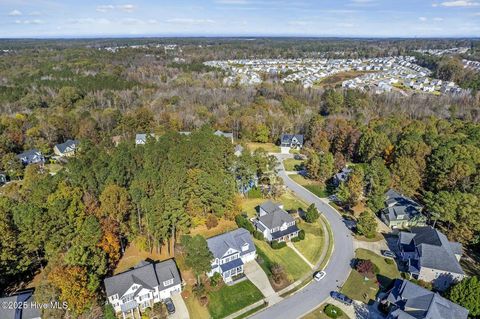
(243, 222)
(389, 261)
(254, 193)
(311, 214)
(278, 245)
(366, 267)
(211, 222)
(301, 234)
(295, 239)
(278, 273)
(216, 279)
(332, 311)
(258, 235)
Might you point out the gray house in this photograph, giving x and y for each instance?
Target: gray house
(289, 141)
(32, 156)
(341, 176)
(67, 148)
(431, 257)
(401, 211)
(27, 311)
(230, 252)
(141, 287)
(275, 223)
(409, 301)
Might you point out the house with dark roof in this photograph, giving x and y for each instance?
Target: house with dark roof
(32, 156)
(341, 176)
(275, 223)
(401, 211)
(431, 257)
(67, 148)
(290, 141)
(231, 251)
(134, 290)
(409, 301)
(28, 309)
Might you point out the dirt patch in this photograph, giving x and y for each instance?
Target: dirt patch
(224, 225)
(133, 255)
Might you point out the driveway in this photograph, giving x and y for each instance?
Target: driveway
(375, 246)
(257, 276)
(181, 311)
(338, 268)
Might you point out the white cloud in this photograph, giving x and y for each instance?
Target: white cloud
(127, 7)
(234, 2)
(345, 25)
(422, 18)
(458, 3)
(15, 13)
(105, 7)
(123, 7)
(35, 21)
(35, 13)
(132, 21)
(299, 23)
(437, 19)
(190, 21)
(88, 21)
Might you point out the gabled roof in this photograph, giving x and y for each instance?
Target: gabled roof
(147, 275)
(400, 207)
(434, 249)
(287, 138)
(68, 145)
(413, 301)
(395, 198)
(234, 239)
(275, 216)
(28, 312)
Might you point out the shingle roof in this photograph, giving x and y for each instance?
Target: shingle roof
(68, 144)
(435, 251)
(413, 301)
(30, 156)
(146, 274)
(275, 216)
(26, 313)
(287, 138)
(235, 239)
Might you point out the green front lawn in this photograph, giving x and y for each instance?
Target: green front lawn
(291, 164)
(319, 314)
(230, 299)
(313, 186)
(358, 288)
(294, 266)
(311, 247)
(269, 147)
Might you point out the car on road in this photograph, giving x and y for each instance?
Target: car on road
(319, 275)
(170, 306)
(341, 297)
(389, 254)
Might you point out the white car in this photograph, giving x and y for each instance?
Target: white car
(319, 275)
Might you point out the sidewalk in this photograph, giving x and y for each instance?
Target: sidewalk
(291, 245)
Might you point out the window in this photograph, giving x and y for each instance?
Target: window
(168, 282)
(245, 247)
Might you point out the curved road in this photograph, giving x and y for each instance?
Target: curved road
(338, 268)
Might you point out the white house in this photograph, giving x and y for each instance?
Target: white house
(230, 252)
(275, 223)
(289, 141)
(147, 283)
(68, 148)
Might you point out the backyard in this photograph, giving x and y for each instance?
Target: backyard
(230, 299)
(288, 200)
(269, 147)
(358, 287)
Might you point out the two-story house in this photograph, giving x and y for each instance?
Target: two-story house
(431, 257)
(407, 300)
(289, 141)
(21, 305)
(401, 211)
(230, 252)
(32, 156)
(68, 148)
(275, 223)
(147, 283)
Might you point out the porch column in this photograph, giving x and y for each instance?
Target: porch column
(139, 314)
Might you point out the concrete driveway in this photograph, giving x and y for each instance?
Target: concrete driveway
(257, 276)
(181, 311)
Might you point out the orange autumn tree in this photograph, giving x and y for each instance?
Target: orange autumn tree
(72, 281)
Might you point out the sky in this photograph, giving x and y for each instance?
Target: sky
(320, 18)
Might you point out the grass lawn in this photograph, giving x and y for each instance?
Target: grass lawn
(311, 247)
(312, 186)
(230, 299)
(319, 314)
(224, 225)
(269, 147)
(294, 266)
(195, 309)
(291, 164)
(356, 287)
(288, 200)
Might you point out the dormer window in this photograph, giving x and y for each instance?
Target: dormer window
(245, 247)
(168, 282)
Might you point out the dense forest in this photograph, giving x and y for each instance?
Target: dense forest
(76, 223)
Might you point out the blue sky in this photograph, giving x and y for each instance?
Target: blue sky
(377, 18)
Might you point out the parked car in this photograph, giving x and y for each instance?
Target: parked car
(341, 297)
(319, 275)
(170, 306)
(389, 254)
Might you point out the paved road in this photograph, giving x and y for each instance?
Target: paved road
(337, 269)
